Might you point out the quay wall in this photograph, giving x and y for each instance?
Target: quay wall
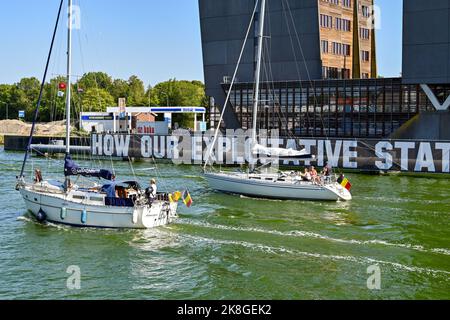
(372, 155)
(367, 155)
(19, 143)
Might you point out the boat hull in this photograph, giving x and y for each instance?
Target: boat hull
(240, 184)
(57, 209)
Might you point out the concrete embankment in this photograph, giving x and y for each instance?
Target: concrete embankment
(19, 143)
(14, 135)
(20, 128)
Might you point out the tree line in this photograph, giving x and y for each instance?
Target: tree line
(94, 92)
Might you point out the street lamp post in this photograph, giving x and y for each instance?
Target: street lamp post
(168, 115)
(7, 107)
(167, 96)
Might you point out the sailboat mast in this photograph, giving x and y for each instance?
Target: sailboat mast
(69, 72)
(258, 68)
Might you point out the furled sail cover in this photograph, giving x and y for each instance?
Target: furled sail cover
(72, 169)
(282, 153)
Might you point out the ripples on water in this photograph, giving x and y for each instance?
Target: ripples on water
(235, 247)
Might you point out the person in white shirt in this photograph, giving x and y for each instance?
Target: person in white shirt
(152, 190)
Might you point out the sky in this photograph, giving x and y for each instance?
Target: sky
(153, 39)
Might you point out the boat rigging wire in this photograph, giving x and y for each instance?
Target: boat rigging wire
(231, 86)
(36, 112)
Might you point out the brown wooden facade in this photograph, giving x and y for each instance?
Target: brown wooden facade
(347, 39)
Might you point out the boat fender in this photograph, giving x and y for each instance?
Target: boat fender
(135, 216)
(63, 213)
(84, 217)
(41, 216)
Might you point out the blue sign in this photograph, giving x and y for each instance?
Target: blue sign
(202, 126)
(21, 114)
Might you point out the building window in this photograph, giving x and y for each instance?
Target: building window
(336, 2)
(346, 49)
(326, 21)
(345, 73)
(343, 24)
(341, 49)
(364, 33)
(330, 73)
(365, 56)
(324, 46)
(365, 11)
(347, 3)
(335, 73)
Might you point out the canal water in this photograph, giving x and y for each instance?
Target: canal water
(227, 247)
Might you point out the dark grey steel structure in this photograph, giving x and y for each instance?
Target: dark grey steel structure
(404, 109)
(426, 41)
(224, 24)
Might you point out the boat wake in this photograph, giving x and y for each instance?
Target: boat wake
(360, 260)
(307, 234)
(29, 219)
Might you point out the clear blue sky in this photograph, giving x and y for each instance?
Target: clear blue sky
(154, 39)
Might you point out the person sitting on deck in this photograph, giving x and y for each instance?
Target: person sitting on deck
(314, 175)
(152, 190)
(37, 176)
(326, 172)
(306, 176)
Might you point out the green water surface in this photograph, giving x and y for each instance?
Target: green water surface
(227, 247)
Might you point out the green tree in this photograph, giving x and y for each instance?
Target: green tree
(5, 100)
(95, 80)
(19, 101)
(53, 107)
(181, 93)
(96, 100)
(98, 92)
(136, 92)
(27, 93)
(151, 97)
(119, 89)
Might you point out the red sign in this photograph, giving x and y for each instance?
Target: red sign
(62, 86)
(146, 129)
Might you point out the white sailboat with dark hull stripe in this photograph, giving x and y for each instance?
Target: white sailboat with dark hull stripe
(279, 185)
(111, 205)
(275, 186)
(79, 208)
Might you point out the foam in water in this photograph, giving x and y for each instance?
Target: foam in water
(302, 234)
(359, 260)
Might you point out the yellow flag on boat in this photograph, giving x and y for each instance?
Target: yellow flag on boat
(176, 196)
(171, 198)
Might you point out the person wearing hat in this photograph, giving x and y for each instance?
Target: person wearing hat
(152, 190)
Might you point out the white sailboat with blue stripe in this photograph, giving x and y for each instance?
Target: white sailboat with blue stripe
(111, 204)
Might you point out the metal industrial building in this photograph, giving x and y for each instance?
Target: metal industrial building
(301, 99)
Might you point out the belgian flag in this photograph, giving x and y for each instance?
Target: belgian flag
(343, 181)
(187, 199)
